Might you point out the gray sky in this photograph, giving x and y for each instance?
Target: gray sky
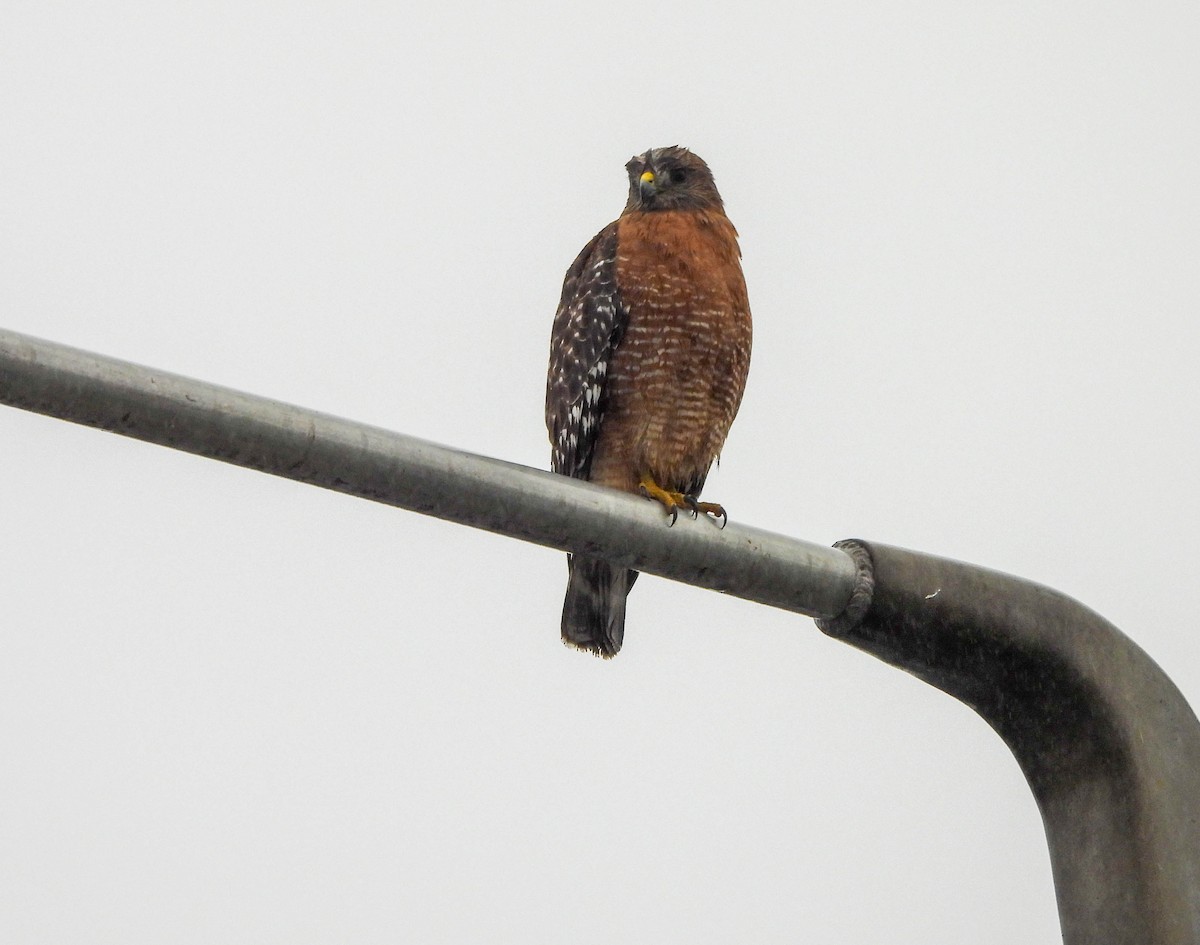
(239, 709)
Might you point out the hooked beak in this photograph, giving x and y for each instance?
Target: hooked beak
(646, 185)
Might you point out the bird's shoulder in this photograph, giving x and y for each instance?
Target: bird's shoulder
(589, 267)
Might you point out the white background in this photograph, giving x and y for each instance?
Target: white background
(238, 709)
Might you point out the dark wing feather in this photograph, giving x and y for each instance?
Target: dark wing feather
(587, 326)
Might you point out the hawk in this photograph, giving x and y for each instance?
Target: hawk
(648, 361)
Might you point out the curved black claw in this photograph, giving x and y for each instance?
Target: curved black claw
(714, 509)
(665, 499)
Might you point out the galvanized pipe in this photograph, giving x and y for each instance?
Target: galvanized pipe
(1108, 744)
(414, 474)
(1110, 747)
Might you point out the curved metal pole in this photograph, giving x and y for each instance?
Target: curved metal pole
(414, 474)
(1109, 745)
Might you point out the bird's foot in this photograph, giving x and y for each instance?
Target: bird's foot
(674, 501)
(715, 509)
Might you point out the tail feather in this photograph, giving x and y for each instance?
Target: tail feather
(594, 612)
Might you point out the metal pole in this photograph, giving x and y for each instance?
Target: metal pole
(1109, 745)
(414, 474)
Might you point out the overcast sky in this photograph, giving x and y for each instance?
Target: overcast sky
(238, 709)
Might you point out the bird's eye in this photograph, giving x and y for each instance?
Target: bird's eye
(678, 175)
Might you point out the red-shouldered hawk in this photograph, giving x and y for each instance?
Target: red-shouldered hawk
(648, 361)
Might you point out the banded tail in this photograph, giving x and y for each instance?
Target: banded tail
(594, 612)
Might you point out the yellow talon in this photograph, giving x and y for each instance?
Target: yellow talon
(715, 509)
(674, 501)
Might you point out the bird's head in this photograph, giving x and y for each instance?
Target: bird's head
(670, 179)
